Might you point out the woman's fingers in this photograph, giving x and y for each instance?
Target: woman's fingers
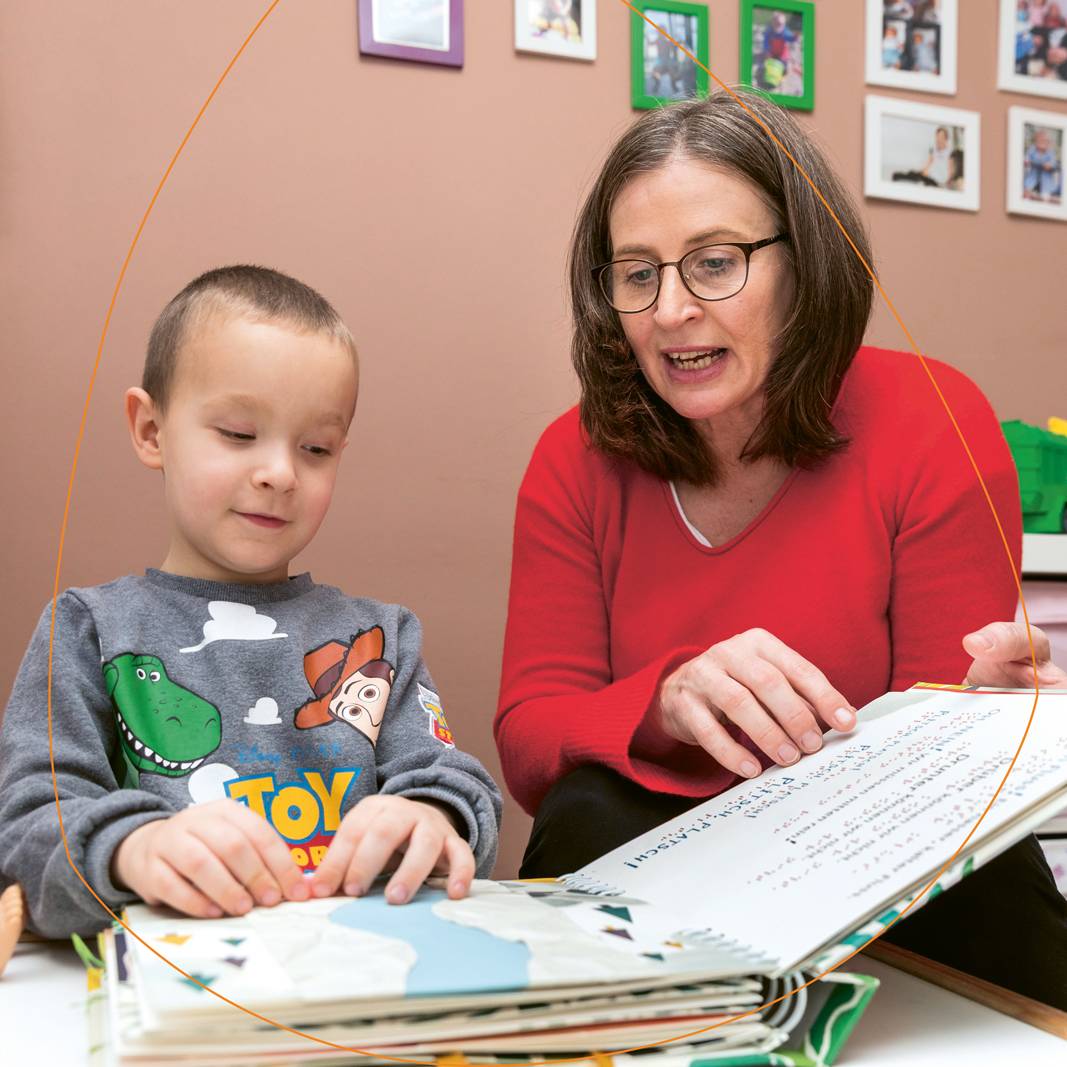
(772, 711)
(809, 683)
(769, 691)
(701, 724)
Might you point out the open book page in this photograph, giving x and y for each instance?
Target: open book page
(802, 855)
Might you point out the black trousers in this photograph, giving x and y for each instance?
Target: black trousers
(1006, 922)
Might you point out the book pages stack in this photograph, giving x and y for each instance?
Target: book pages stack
(684, 935)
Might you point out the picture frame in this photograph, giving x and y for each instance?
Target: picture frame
(1037, 145)
(1032, 55)
(778, 50)
(913, 44)
(421, 31)
(659, 72)
(562, 28)
(922, 153)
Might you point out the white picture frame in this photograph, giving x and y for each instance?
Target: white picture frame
(907, 159)
(1042, 78)
(547, 27)
(912, 44)
(1030, 190)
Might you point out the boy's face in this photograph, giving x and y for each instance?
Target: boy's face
(250, 444)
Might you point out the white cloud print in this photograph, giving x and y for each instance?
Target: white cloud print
(235, 622)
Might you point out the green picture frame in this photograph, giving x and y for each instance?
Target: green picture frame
(659, 72)
(772, 70)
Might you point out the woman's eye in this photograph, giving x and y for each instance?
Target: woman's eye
(640, 276)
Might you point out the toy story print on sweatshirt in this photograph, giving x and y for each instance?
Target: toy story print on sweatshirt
(167, 729)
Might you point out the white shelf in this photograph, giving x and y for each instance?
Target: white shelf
(1045, 554)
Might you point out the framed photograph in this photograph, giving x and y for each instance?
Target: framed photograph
(778, 50)
(425, 31)
(1036, 142)
(660, 73)
(911, 44)
(564, 28)
(1033, 47)
(921, 153)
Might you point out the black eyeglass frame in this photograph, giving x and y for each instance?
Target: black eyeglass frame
(747, 247)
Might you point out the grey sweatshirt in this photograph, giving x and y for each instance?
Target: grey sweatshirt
(167, 691)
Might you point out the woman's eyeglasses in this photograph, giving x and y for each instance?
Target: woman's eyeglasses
(714, 272)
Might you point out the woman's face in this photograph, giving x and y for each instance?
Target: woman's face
(707, 359)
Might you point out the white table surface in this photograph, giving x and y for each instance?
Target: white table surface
(909, 1023)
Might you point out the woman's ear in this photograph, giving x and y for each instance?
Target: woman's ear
(143, 421)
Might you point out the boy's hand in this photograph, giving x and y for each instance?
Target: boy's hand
(417, 834)
(209, 860)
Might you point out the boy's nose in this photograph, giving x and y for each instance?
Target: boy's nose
(276, 471)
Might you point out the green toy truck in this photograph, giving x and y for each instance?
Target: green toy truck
(1041, 458)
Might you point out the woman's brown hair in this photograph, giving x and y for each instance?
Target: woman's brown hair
(620, 412)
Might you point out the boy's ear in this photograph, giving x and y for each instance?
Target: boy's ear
(143, 422)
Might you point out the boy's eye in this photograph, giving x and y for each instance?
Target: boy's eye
(234, 435)
(317, 450)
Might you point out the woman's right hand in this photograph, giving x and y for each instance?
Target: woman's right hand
(753, 680)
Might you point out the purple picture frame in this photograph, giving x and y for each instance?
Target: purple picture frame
(369, 44)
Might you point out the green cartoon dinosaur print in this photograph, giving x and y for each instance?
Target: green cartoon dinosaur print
(164, 728)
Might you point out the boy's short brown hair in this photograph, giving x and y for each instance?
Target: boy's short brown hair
(257, 293)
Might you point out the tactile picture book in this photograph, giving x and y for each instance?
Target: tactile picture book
(682, 933)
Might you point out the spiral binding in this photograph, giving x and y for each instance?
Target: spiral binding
(581, 883)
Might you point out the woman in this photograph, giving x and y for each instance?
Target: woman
(751, 525)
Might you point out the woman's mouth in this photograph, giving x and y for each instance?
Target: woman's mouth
(695, 360)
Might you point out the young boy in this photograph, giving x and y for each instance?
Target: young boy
(219, 726)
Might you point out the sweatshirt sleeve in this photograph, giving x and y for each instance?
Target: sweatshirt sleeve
(560, 705)
(96, 813)
(950, 568)
(417, 756)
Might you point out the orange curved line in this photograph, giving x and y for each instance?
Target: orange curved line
(66, 514)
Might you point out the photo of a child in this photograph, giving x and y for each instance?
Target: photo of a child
(560, 20)
(921, 153)
(1043, 164)
(906, 141)
(669, 74)
(778, 51)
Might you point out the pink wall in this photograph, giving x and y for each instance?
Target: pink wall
(433, 206)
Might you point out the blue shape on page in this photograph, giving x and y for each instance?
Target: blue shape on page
(451, 958)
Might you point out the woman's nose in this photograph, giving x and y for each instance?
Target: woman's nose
(675, 303)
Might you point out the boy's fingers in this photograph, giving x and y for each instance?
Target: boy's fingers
(281, 872)
(196, 862)
(328, 875)
(461, 866)
(239, 850)
(424, 848)
(375, 849)
(176, 892)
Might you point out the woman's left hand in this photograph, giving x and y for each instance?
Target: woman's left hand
(1001, 654)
